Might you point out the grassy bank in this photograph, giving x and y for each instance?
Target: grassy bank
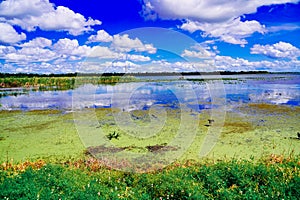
(274, 177)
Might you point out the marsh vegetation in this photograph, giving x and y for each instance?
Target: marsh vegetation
(254, 157)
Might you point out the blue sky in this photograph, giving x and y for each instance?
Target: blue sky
(64, 36)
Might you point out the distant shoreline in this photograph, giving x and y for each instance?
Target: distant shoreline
(3, 75)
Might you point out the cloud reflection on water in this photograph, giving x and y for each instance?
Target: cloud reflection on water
(143, 95)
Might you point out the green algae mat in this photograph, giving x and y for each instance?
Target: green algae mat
(251, 130)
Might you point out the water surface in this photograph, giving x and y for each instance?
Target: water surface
(194, 92)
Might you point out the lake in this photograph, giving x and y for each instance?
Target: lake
(191, 92)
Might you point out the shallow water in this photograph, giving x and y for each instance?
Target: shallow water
(168, 92)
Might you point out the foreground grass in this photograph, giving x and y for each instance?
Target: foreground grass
(272, 178)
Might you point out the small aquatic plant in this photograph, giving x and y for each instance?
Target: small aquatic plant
(113, 135)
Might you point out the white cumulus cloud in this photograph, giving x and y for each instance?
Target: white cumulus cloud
(4, 50)
(232, 31)
(215, 18)
(201, 51)
(9, 35)
(204, 10)
(67, 47)
(240, 64)
(124, 64)
(136, 58)
(38, 42)
(125, 44)
(21, 8)
(278, 50)
(30, 14)
(30, 55)
(102, 52)
(102, 36)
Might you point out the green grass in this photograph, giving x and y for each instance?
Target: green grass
(267, 179)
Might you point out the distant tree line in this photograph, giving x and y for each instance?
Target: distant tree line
(31, 75)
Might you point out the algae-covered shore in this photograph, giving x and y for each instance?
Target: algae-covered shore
(250, 130)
